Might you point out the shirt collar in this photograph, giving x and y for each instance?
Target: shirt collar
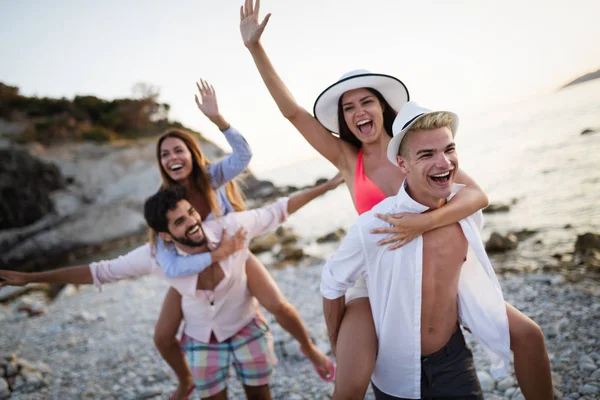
(404, 200)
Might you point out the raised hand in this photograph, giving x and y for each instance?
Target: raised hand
(250, 29)
(208, 106)
(404, 227)
(230, 245)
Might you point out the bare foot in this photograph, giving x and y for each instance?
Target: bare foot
(323, 365)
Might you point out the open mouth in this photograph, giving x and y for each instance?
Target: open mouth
(365, 126)
(195, 232)
(175, 167)
(441, 178)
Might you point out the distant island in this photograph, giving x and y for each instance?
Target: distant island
(584, 78)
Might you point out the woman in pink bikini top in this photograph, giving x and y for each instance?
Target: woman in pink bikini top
(351, 128)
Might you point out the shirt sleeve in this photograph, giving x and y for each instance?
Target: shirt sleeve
(136, 263)
(478, 219)
(175, 266)
(264, 219)
(345, 266)
(230, 167)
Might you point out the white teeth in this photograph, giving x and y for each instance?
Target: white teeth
(364, 121)
(442, 175)
(196, 229)
(175, 167)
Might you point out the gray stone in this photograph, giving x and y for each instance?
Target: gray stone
(4, 389)
(486, 381)
(586, 364)
(33, 380)
(509, 392)
(573, 396)
(589, 389)
(506, 384)
(595, 375)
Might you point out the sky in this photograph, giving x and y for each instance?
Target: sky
(462, 55)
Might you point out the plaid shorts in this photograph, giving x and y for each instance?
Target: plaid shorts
(250, 351)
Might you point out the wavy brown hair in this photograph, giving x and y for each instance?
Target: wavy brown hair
(200, 176)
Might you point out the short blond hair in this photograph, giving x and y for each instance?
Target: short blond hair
(428, 122)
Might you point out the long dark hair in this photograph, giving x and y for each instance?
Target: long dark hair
(389, 114)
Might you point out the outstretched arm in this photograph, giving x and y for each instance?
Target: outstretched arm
(264, 219)
(317, 136)
(77, 275)
(137, 262)
(227, 169)
(407, 226)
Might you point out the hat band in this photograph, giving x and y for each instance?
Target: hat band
(410, 122)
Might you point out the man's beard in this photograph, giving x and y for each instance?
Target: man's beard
(185, 241)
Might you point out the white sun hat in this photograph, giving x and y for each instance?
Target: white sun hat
(326, 106)
(407, 116)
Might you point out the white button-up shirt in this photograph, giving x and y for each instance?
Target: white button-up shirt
(234, 307)
(394, 285)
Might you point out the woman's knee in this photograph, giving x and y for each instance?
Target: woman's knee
(524, 331)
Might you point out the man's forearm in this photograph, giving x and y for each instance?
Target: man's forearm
(334, 312)
(76, 275)
(299, 200)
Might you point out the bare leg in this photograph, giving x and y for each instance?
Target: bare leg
(532, 366)
(262, 286)
(356, 351)
(222, 395)
(258, 392)
(167, 344)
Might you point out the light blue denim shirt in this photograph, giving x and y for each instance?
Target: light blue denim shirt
(220, 173)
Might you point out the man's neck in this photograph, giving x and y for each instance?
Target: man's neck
(192, 249)
(424, 199)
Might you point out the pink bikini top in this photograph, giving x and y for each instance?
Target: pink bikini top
(366, 193)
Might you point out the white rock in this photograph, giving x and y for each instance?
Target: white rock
(486, 381)
(505, 384)
(509, 392)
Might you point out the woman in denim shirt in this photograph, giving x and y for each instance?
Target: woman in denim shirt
(212, 192)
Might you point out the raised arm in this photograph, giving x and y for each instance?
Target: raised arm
(317, 136)
(407, 227)
(227, 169)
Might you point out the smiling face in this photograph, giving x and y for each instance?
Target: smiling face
(363, 114)
(175, 159)
(429, 160)
(184, 226)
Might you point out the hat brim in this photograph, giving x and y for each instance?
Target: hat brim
(394, 145)
(392, 89)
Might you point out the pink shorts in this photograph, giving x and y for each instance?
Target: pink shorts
(250, 351)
